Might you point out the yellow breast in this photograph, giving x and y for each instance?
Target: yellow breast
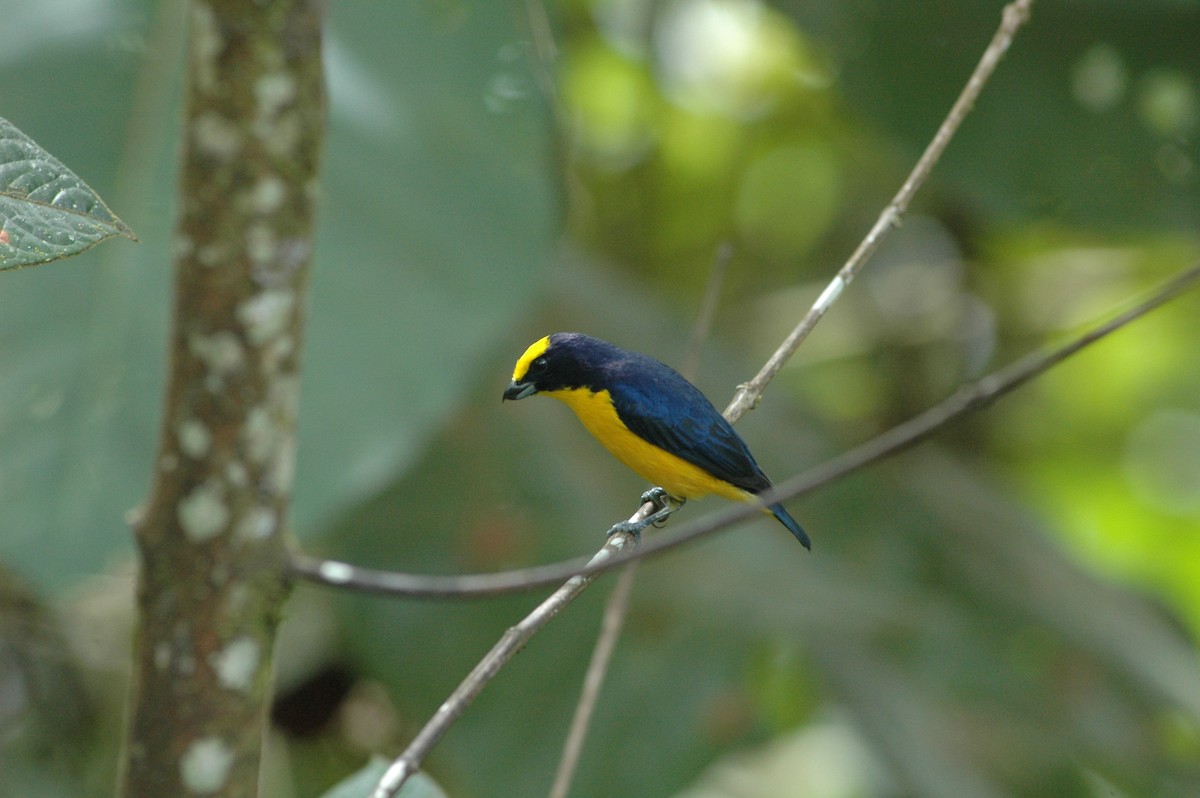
(658, 466)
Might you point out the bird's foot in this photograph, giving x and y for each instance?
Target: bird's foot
(664, 504)
(632, 528)
(656, 496)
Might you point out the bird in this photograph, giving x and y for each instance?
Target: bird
(649, 416)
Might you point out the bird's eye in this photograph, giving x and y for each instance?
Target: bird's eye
(537, 366)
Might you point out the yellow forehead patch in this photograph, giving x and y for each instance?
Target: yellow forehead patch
(534, 351)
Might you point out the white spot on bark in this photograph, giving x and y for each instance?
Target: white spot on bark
(203, 514)
(213, 254)
(266, 314)
(260, 243)
(235, 472)
(289, 256)
(285, 463)
(216, 136)
(280, 137)
(273, 91)
(162, 656)
(205, 765)
(258, 435)
(220, 352)
(194, 438)
(269, 194)
(276, 352)
(256, 524)
(236, 664)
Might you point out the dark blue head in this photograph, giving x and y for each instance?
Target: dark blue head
(564, 361)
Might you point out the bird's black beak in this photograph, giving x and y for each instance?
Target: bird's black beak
(519, 390)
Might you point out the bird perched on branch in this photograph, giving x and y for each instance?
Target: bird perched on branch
(650, 418)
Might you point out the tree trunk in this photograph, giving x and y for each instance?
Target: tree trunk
(213, 577)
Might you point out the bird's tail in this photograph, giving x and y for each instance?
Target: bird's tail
(787, 520)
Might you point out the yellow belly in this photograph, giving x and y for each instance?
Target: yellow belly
(658, 466)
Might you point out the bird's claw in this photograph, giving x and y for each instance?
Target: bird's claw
(664, 504)
(656, 496)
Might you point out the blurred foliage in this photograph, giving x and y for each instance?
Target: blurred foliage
(1008, 610)
(45, 712)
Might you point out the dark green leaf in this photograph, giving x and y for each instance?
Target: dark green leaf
(46, 212)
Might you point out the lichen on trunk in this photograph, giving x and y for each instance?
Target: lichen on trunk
(211, 534)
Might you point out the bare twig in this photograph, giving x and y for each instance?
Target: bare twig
(606, 643)
(1014, 16)
(545, 52)
(509, 644)
(971, 397)
(707, 311)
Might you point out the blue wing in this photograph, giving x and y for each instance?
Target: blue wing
(662, 407)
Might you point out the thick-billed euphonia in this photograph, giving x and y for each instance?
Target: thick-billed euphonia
(648, 415)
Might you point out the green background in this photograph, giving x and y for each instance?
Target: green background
(1008, 610)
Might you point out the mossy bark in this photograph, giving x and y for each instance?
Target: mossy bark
(211, 535)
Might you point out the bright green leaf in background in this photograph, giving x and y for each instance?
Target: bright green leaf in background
(46, 211)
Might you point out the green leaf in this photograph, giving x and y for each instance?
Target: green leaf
(362, 783)
(46, 212)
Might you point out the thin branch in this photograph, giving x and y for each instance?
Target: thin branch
(606, 643)
(1014, 16)
(545, 55)
(509, 644)
(707, 311)
(969, 398)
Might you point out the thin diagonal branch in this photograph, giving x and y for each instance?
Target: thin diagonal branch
(707, 312)
(1014, 16)
(615, 611)
(509, 644)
